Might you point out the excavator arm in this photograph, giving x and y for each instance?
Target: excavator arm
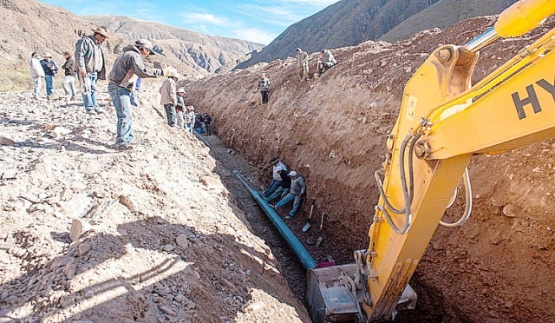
(442, 123)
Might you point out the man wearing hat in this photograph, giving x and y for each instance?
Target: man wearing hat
(90, 66)
(190, 117)
(168, 92)
(296, 192)
(277, 166)
(50, 69)
(127, 68)
(302, 64)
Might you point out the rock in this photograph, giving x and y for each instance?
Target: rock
(128, 202)
(509, 211)
(6, 141)
(167, 310)
(70, 270)
(168, 247)
(9, 174)
(254, 307)
(182, 241)
(78, 226)
(84, 249)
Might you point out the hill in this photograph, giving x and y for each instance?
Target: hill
(201, 53)
(351, 22)
(29, 26)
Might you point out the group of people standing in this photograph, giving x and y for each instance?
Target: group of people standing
(325, 62)
(177, 113)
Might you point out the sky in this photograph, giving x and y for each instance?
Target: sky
(259, 21)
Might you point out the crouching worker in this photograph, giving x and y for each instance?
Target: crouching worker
(298, 189)
(326, 62)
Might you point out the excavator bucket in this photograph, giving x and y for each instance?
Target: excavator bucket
(331, 294)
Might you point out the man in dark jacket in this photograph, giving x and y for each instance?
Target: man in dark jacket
(68, 84)
(127, 68)
(207, 123)
(50, 69)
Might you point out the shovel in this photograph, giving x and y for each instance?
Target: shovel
(320, 238)
(308, 224)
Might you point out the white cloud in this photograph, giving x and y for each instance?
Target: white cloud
(254, 35)
(204, 18)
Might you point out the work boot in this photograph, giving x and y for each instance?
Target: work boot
(49, 98)
(91, 112)
(73, 98)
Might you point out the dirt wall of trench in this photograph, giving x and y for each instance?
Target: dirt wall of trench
(333, 128)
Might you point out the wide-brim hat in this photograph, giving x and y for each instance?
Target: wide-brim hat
(101, 30)
(47, 55)
(171, 72)
(190, 107)
(145, 43)
(181, 90)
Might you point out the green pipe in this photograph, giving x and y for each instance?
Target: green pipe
(283, 229)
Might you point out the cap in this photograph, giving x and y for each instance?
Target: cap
(292, 173)
(181, 90)
(274, 160)
(145, 43)
(101, 30)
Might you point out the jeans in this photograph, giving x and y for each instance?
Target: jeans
(288, 198)
(170, 114)
(190, 127)
(134, 98)
(208, 130)
(272, 188)
(265, 95)
(89, 92)
(121, 99)
(37, 82)
(69, 80)
(280, 192)
(49, 84)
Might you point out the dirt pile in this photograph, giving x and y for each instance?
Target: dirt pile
(333, 130)
(162, 238)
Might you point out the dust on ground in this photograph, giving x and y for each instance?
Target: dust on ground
(162, 240)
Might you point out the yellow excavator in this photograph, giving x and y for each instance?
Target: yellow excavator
(443, 121)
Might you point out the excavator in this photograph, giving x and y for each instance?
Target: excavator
(443, 121)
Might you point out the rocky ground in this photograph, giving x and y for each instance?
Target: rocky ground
(163, 240)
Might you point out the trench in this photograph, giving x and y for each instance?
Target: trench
(429, 306)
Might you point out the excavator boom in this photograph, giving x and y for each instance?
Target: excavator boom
(442, 123)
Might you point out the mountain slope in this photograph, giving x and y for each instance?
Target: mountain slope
(203, 53)
(351, 22)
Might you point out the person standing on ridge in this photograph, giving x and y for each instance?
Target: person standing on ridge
(302, 64)
(127, 67)
(50, 70)
(37, 74)
(168, 92)
(264, 87)
(68, 84)
(91, 66)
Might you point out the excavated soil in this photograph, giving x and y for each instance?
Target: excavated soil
(170, 235)
(333, 129)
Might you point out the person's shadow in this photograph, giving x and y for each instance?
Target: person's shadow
(183, 275)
